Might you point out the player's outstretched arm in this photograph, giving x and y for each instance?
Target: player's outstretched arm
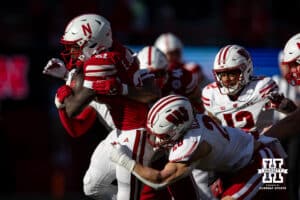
(159, 179)
(154, 178)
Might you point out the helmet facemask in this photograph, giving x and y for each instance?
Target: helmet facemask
(162, 141)
(293, 74)
(228, 88)
(72, 56)
(88, 34)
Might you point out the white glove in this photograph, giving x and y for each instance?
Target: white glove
(118, 155)
(56, 68)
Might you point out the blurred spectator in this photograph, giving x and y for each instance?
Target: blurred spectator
(246, 22)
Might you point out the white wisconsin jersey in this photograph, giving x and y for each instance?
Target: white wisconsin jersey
(232, 148)
(247, 110)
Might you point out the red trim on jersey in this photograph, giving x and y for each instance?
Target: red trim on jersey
(258, 180)
(80, 124)
(251, 188)
(267, 87)
(191, 150)
(241, 182)
(205, 98)
(149, 56)
(133, 179)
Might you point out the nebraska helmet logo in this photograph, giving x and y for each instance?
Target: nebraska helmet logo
(86, 28)
(178, 116)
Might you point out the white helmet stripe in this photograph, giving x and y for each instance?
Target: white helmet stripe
(160, 105)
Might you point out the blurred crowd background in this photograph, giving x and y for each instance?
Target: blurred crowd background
(39, 159)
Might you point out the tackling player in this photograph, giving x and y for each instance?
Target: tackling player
(154, 63)
(197, 141)
(187, 79)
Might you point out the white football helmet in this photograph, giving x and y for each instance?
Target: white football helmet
(233, 57)
(168, 119)
(91, 33)
(291, 55)
(152, 59)
(167, 42)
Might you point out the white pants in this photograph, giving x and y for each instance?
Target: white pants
(201, 180)
(101, 172)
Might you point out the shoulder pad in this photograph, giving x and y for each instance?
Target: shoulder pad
(184, 149)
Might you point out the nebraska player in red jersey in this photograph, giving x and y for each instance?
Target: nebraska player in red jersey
(111, 77)
(184, 78)
(197, 141)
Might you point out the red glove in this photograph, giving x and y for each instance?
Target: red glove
(62, 92)
(110, 87)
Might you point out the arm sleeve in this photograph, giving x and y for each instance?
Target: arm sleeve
(80, 124)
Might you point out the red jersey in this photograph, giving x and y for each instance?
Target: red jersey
(119, 63)
(183, 79)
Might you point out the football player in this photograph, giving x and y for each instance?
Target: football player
(291, 60)
(239, 99)
(110, 76)
(291, 54)
(184, 78)
(187, 79)
(153, 62)
(197, 141)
